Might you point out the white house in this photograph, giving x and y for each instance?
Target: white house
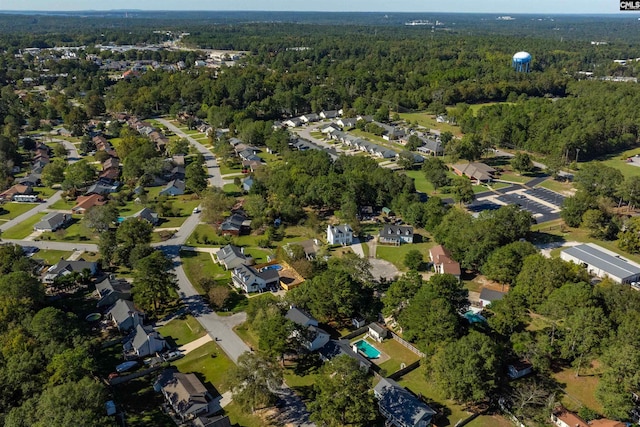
(378, 332)
(339, 235)
(250, 280)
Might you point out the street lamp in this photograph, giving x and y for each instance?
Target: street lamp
(577, 152)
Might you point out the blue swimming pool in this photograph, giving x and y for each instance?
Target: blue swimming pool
(276, 267)
(474, 317)
(367, 349)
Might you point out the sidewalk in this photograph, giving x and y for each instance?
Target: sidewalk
(189, 347)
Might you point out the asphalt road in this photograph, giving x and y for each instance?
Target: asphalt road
(213, 170)
(72, 152)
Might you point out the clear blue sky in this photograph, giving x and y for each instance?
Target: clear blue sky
(481, 6)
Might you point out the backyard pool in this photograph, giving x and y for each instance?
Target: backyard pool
(367, 349)
(474, 317)
(273, 267)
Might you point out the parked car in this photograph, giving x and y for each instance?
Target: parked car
(196, 210)
(172, 355)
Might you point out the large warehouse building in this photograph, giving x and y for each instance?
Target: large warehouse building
(603, 263)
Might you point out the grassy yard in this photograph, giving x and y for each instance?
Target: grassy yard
(232, 190)
(44, 192)
(52, 256)
(142, 403)
(419, 384)
(199, 265)
(182, 330)
(557, 186)
(424, 186)
(76, 232)
(396, 254)
(23, 229)
(225, 170)
(429, 121)
(10, 211)
(579, 391)
(259, 255)
(247, 335)
(512, 177)
(240, 417)
(63, 205)
(398, 354)
(210, 362)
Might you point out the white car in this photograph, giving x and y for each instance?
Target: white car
(196, 210)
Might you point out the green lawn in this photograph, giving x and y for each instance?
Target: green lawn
(398, 354)
(240, 417)
(206, 236)
(557, 186)
(580, 391)
(76, 232)
(259, 255)
(63, 205)
(512, 177)
(142, 403)
(183, 330)
(247, 335)
(199, 265)
(23, 229)
(52, 256)
(429, 121)
(424, 186)
(45, 192)
(10, 211)
(209, 361)
(225, 170)
(396, 254)
(619, 161)
(417, 382)
(232, 189)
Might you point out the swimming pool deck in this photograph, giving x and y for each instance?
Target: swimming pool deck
(383, 356)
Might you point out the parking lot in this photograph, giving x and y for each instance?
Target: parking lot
(544, 205)
(548, 196)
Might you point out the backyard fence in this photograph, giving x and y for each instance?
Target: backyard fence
(407, 344)
(401, 372)
(355, 333)
(509, 415)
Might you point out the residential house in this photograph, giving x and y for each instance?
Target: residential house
(431, 147)
(53, 221)
(293, 122)
(443, 262)
(487, 296)
(215, 421)
(346, 124)
(562, 417)
(110, 174)
(84, 203)
(16, 190)
(103, 186)
(330, 128)
(235, 225)
(339, 235)
(173, 188)
(378, 332)
(478, 172)
(309, 246)
(329, 114)
(33, 180)
(300, 317)
(309, 118)
(314, 338)
(335, 348)
(396, 234)
(145, 342)
(365, 118)
(519, 369)
(148, 215)
(231, 256)
(247, 183)
(186, 395)
(110, 290)
(250, 280)
(400, 407)
(125, 316)
(63, 268)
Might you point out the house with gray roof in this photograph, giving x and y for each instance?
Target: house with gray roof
(148, 215)
(64, 267)
(603, 263)
(145, 342)
(250, 280)
(300, 317)
(431, 147)
(487, 296)
(396, 234)
(329, 114)
(173, 188)
(348, 123)
(231, 256)
(53, 221)
(103, 187)
(186, 394)
(335, 348)
(110, 290)
(400, 407)
(310, 117)
(124, 315)
(215, 421)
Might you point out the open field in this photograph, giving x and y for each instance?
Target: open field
(199, 266)
(396, 254)
(579, 391)
(429, 121)
(9, 211)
